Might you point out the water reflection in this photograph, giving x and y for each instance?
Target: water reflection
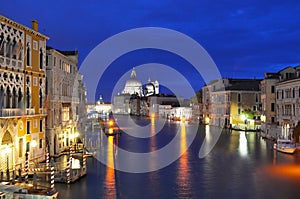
(183, 175)
(243, 144)
(110, 182)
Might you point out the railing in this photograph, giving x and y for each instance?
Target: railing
(7, 61)
(30, 111)
(42, 111)
(9, 112)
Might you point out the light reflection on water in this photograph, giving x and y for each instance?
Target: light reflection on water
(241, 165)
(110, 183)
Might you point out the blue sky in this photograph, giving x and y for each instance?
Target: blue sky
(244, 38)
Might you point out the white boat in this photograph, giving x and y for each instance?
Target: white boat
(285, 146)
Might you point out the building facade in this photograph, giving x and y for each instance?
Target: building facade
(22, 93)
(288, 100)
(232, 102)
(268, 100)
(65, 100)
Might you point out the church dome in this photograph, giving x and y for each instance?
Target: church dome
(133, 85)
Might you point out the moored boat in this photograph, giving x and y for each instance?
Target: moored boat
(16, 191)
(285, 146)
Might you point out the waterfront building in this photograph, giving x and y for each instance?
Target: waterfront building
(138, 105)
(132, 100)
(156, 100)
(99, 109)
(151, 88)
(22, 93)
(232, 102)
(268, 100)
(288, 100)
(65, 100)
(121, 104)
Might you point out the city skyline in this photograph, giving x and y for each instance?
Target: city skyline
(244, 39)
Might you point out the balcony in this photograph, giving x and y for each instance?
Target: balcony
(14, 63)
(30, 111)
(11, 112)
(42, 111)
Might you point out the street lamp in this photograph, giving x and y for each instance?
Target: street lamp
(33, 145)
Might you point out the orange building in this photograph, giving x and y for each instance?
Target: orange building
(22, 93)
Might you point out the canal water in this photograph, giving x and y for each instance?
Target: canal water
(241, 165)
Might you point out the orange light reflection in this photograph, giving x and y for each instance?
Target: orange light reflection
(183, 170)
(110, 183)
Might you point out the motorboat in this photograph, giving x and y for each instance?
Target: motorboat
(285, 146)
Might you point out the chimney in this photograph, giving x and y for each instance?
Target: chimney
(35, 25)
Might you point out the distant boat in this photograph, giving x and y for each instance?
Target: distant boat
(285, 146)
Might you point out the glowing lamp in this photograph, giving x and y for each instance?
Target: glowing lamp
(33, 143)
(111, 122)
(110, 131)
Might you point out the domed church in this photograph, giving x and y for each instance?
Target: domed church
(133, 85)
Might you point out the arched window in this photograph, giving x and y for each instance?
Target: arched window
(41, 59)
(20, 97)
(14, 98)
(2, 43)
(8, 97)
(8, 47)
(28, 55)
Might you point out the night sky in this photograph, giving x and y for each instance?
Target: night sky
(244, 38)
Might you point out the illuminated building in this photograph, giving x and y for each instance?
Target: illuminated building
(65, 100)
(234, 102)
(288, 100)
(268, 100)
(22, 93)
(133, 86)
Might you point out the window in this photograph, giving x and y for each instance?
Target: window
(41, 98)
(35, 45)
(35, 123)
(239, 97)
(28, 127)
(272, 89)
(256, 97)
(41, 143)
(41, 125)
(20, 147)
(293, 92)
(272, 107)
(65, 113)
(54, 61)
(277, 95)
(254, 108)
(282, 94)
(41, 59)
(272, 119)
(239, 111)
(28, 55)
(27, 146)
